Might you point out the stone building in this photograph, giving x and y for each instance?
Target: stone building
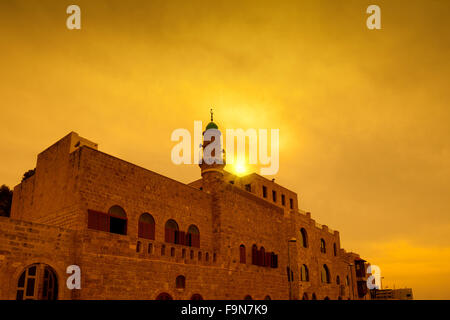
(136, 234)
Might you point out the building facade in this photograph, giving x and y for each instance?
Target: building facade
(136, 234)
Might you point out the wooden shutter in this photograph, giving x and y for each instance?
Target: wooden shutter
(167, 235)
(92, 219)
(182, 237)
(196, 240)
(242, 254)
(98, 220)
(254, 255)
(267, 260)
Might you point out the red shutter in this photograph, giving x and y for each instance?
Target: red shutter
(267, 262)
(242, 254)
(151, 233)
(167, 235)
(196, 240)
(92, 219)
(254, 255)
(98, 220)
(141, 231)
(103, 222)
(182, 237)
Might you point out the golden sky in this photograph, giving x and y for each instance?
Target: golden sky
(363, 114)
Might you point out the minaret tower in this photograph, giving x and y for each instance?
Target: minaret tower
(212, 174)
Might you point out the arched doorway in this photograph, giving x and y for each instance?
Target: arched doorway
(196, 296)
(37, 282)
(164, 296)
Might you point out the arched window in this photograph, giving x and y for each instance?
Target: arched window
(254, 254)
(323, 248)
(262, 257)
(334, 249)
(304, 238)
(171, 232)
(339, 298)
(117, 220)
(338, 280)
(325, 274)
(267, 297)
(193, 237)
(326, 298)
(346, 281)
(37, 282)
(146, 227)
(305, 296)
(314, 297)
(304, 273)
(242, 254)
(196, 296)
(180, 282)
(138, 246)
(164, 296)
(248, 297)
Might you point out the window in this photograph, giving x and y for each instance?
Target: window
(193, 237)
(180, 282)
(138, 246)
(267, 297)
(304, 274)
(146, 226)
(338, 280)
(37, 282)
(248, 297)
(196, 296)
(314, 297)
(242, 254)
(248, 187)
(261, 257)
(290, 274)
(254, 254)
(207, 256)
(164, 296)
(163, 250)
(199, 256)
(323, 248)
(115, 221)
(214, 257)
(334, 249)
(346, 281)
(291, 203)
(274, 196)
(172, 252)
(183, 253)
(305, 296)
(273, 260)
(171, 231)
(283, 200)
(304, 238)
(325, 274)
(264, 189)
(192, 254)
(150, 248)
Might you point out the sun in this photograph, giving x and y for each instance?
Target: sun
(240, 168)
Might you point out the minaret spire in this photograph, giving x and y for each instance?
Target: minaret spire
(211, 111)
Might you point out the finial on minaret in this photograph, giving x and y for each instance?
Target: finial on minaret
(211, 111)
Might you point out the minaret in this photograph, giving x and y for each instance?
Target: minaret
(212, 174)
(213, 183)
